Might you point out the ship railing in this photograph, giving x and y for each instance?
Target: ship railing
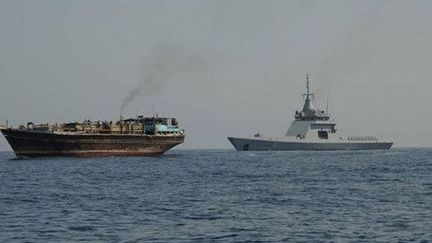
(357, 138)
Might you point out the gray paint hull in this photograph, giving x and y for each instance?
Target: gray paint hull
(245, 144)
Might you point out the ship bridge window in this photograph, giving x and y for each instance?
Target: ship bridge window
(323, 134)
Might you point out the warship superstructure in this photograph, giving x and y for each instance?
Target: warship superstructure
(127, 137)
(312, 129)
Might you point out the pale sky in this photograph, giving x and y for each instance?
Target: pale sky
(223, 68)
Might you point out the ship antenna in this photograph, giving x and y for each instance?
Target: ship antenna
(308, 92)
(309, 97)
(328, 98)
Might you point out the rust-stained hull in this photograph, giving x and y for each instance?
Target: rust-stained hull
(27, 143)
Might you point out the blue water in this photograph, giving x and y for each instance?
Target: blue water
(220, 196)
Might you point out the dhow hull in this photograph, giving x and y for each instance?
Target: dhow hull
(42, 144)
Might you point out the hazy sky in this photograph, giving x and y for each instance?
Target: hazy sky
(221, 67)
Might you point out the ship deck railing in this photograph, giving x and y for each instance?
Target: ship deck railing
(359, 139)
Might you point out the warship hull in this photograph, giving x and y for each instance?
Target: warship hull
(245, 144)
(27, 143)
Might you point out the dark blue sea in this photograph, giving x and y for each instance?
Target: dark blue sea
(220, 196)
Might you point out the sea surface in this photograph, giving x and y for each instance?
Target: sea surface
(220, 196)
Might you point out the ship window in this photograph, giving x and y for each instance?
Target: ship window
(323, 134)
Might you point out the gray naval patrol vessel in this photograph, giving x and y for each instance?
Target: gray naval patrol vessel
(312, 129)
